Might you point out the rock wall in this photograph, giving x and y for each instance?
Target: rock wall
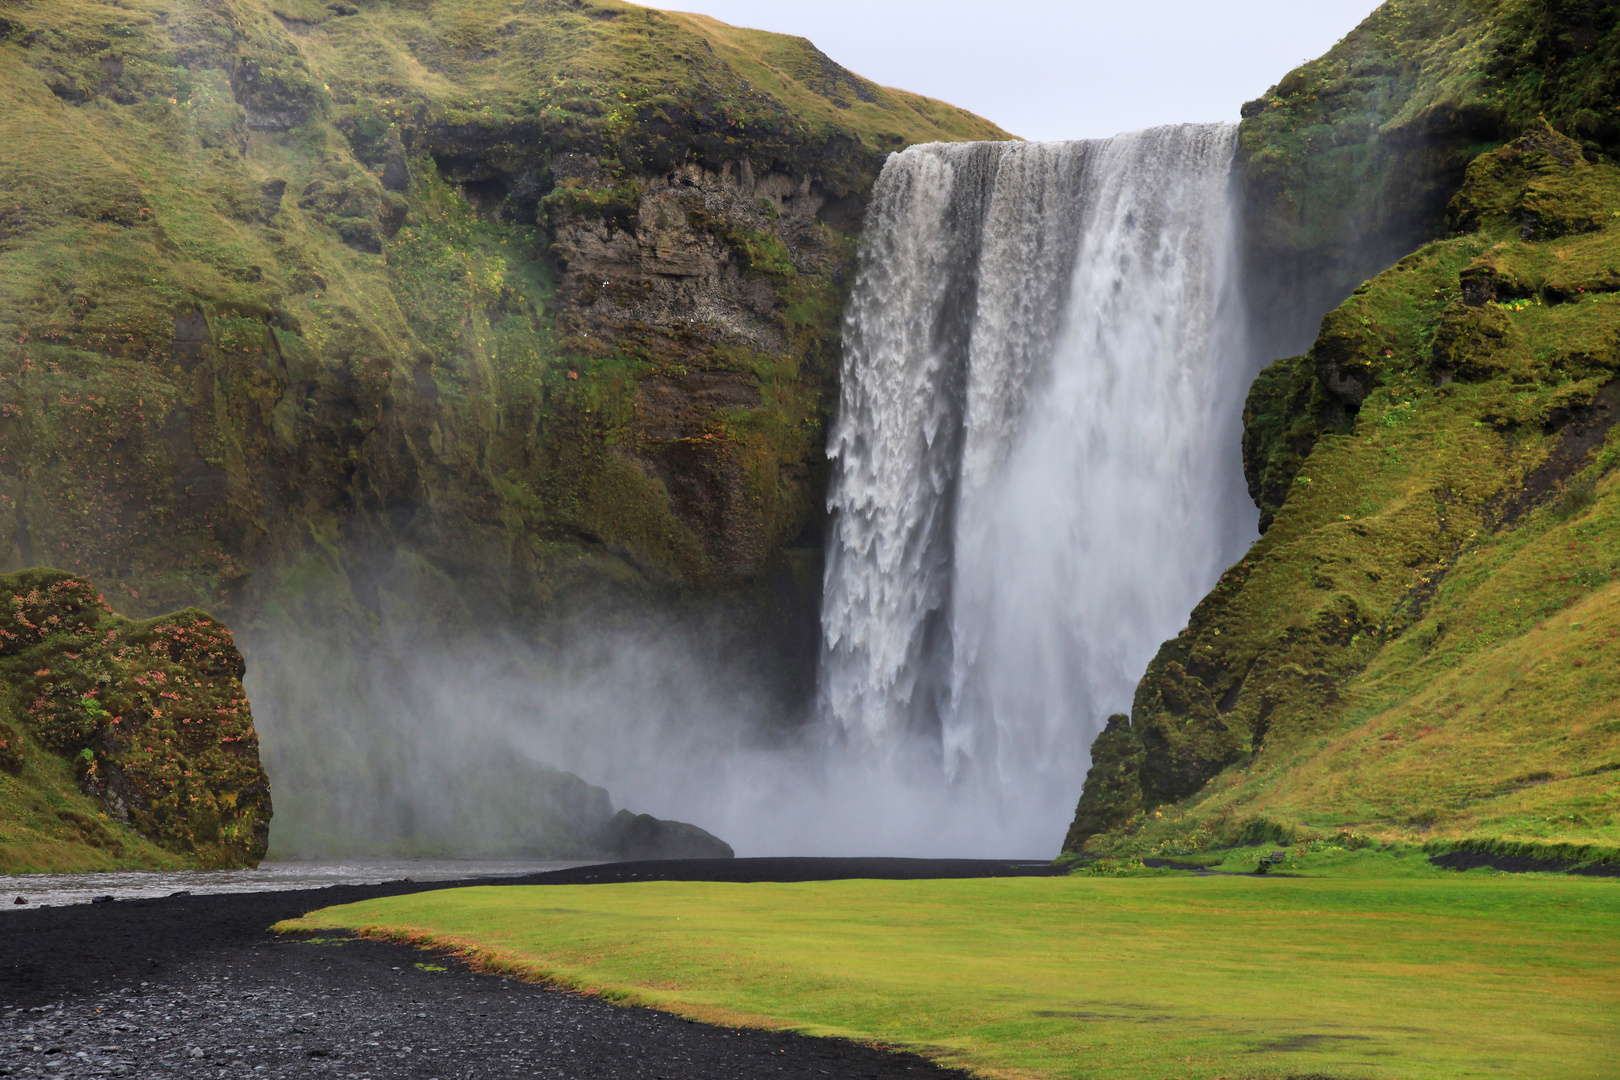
(264, 287)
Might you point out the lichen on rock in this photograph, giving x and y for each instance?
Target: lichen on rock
(152, 715)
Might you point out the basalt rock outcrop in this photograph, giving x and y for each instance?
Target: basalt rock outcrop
(641, 836)
(150, 714)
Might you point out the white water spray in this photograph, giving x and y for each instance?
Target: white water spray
(1036, 477)
(1036, 470)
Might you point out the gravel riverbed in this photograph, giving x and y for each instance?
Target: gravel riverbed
(196, 986)
(361, 1009)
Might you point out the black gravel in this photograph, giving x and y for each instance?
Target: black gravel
(1521, 864)
(196, 986)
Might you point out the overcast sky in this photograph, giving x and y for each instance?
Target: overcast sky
(1064, 69)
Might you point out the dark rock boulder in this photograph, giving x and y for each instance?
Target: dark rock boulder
(642, 836)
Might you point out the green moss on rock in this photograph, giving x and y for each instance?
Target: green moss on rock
(1113, 791)
(151, 714)
(1350, 160)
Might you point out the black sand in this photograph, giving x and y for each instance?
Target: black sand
(194, 986)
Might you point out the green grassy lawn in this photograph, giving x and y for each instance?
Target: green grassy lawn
(1382, 969)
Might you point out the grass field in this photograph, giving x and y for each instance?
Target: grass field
(1386, 968)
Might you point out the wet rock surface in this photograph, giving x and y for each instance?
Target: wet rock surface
(197, 986)
(642, 836)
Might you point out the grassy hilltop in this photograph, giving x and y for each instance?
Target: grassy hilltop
(1422, 645)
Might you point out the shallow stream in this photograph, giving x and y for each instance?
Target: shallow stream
(54, 889)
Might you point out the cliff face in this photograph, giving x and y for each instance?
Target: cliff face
(381, 328)
(1349, 161)
(1415, 646)
(542, 290)
(153, 719)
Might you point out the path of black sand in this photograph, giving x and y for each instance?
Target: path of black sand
(194, 986)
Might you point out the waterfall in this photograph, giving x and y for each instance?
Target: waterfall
(1036, 458)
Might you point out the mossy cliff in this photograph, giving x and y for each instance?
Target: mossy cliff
(546, 293)
(1423, 642)
(1415, 645)
(377, 326)
(1349, 161)
(122, 743)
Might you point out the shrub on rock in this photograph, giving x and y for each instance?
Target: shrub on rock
(152, 714)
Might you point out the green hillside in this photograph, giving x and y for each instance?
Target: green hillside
(1421, 645)
(371, 326)
(1349, 160)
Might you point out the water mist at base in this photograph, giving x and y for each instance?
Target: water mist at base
(1036, 475)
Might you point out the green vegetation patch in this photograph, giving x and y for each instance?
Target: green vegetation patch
(269, 266)
(153, 719)
(47, 825)
(1426, 974)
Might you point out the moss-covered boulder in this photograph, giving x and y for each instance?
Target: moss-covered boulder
(151, 715)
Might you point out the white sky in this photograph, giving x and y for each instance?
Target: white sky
(1064, 69)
